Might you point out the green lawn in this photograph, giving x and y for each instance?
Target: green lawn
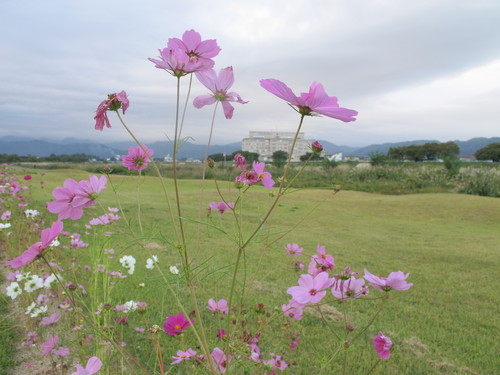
(447, 323)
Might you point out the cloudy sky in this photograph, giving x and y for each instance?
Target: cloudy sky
(427, 69)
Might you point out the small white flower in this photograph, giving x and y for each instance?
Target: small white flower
(49, 280)
(23, 276)
(13, 290)
(4, 225)
(150, 264)
(34, 283)
(174, 270)
(55, 243)
(131, 306)
(141, 285)
(128, 261)
(31, 214)
(37, 311)
(30, 308)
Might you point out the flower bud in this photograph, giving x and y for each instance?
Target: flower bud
(316, 147)
(211, 162)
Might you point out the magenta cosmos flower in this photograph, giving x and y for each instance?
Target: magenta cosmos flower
(137, 159)
(93, 366)
(241, 162)
(382, 345)
(175, 324)
(264, 177)
(316, 101)
(46, 237)
(113, 103)
(395, 280)
(219, 85)
(310, 289)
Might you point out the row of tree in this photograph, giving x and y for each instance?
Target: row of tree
(427, 151)
(74, 158)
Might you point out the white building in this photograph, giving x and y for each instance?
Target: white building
(265, 143)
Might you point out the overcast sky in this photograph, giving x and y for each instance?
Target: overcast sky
(427, 69)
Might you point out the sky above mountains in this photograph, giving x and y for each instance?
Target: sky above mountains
(413, 70)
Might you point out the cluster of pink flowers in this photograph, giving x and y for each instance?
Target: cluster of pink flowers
(75, 196)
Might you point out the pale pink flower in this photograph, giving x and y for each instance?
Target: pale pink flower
(137, 159)
(220, 359)
(47, 236)
(310, 103)
(293, 249)
(49, 345)
(382, 345)
(350, 288)
(113, 103)
(264, 177)
(293, 310)
(64, 205)
(88, 190)
(310, 289)
(6, 215)
(48, 321)
(395, 280)
(220, 306)
(246, 178)
(94, 364)
(276, 362)
(183, 356)
(221, 207)
(219, 85)
(199, 51)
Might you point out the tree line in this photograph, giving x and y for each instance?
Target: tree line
(74, 158)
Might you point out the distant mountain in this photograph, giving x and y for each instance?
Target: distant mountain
(28, 146)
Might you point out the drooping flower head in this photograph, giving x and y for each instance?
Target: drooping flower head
(220, 359)
(46, 237)
(382, 345)
(241, 162)
(350, 288)
(113, 103)
(175, 324)
(137, 159)
(395, 280)
(316, 101)
(219, 85)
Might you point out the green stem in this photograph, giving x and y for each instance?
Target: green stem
(139, 203)
(386, 296)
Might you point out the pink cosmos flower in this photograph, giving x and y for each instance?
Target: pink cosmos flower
(113, 103)
(220, 359)
(27, 177)
(246, 178)
(241, 162)
(276, 362)
(63, 205)
(94, 364)
(49, 345)
(382, 345)
(175, 324)
(137, 159)
(6, 215)
(264, 177)
(293, 249)
(293, 310)
(220, 306)
(198, 50)
(88, 190)
(47, 236)
(219, 85)
(176, 62)
(316, 147)
(350, 288)
(310, 289)
(221, 207)
(395, 280)
(48, 321)
(183, 356)
(308, 104)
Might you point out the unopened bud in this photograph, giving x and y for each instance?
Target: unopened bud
(211, 162)
(316, 147)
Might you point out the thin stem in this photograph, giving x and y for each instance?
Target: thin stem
(139, 203)
(186, 104)
(373, 367)
(373, 319)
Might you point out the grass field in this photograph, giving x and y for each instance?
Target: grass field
(447, 323)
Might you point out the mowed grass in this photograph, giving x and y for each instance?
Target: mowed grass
(447, 323)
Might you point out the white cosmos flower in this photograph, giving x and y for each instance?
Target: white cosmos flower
(174, 270)
(34, 283)
(13, 290)
(31, 214)
(128, 261)
(4, 225)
